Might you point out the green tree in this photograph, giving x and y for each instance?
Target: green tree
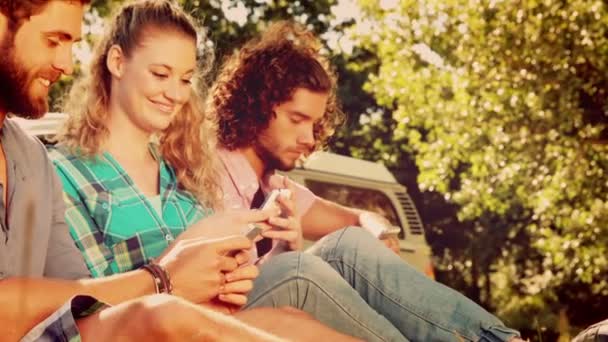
(504, 105)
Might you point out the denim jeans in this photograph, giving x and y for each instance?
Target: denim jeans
(351, 282)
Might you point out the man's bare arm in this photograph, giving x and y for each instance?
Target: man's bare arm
(166, 318)
(291, 324)
(27, 301)
(169, 318)
(325, 217)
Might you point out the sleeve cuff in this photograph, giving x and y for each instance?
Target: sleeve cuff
(61, 325)
(596, 332)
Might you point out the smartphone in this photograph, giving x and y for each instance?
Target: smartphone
(270, 199)
(255, 230)
(389, 232)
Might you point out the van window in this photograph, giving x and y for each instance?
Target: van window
(356, 197)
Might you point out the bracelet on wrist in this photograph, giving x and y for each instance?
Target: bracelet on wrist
(162, 282)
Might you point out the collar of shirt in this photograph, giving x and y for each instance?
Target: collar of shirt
(168, 178)
(240, 183)
(241, 178)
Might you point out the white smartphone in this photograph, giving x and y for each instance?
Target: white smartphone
(255, 230)
(270, 199)
(389, 232)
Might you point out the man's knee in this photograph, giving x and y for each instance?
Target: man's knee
(279, 268)
(355, 235)
(314, 272)
(295, 268)
(345, 240)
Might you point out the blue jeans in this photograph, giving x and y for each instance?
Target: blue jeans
(351, 282)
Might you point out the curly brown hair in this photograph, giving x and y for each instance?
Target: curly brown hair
(265, 73)
(17, 11)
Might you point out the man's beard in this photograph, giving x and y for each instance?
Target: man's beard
(271, 160)
(14, 95)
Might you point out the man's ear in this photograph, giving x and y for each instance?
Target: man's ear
(115, 61)
(3, 26)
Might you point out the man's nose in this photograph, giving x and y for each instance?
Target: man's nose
(307, 137)
(64, 61)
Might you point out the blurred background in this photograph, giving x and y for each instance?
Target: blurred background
(492, 113)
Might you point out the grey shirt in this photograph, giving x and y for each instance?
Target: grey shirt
(33, 237)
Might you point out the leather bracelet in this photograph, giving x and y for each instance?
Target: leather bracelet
(155, 278)
(162, 282)
(167, 285)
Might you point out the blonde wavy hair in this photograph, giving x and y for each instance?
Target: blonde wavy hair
(188, 144)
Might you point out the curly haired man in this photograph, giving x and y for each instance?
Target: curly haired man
(275, 101)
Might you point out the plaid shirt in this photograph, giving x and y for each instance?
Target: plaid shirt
(61, 325)
(112, 222)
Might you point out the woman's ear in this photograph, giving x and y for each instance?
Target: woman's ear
(115, 61)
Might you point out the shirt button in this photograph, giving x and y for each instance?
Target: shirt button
(168, 237)
(105, 205)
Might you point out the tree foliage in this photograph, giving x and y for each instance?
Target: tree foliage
(504, 105)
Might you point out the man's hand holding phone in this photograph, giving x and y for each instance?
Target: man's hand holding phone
(254, 231)
(381, 228)
(285, 227)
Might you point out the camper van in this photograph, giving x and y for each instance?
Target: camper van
(345, 180)
(370, 186)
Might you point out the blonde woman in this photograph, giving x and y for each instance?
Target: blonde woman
(135, 154)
